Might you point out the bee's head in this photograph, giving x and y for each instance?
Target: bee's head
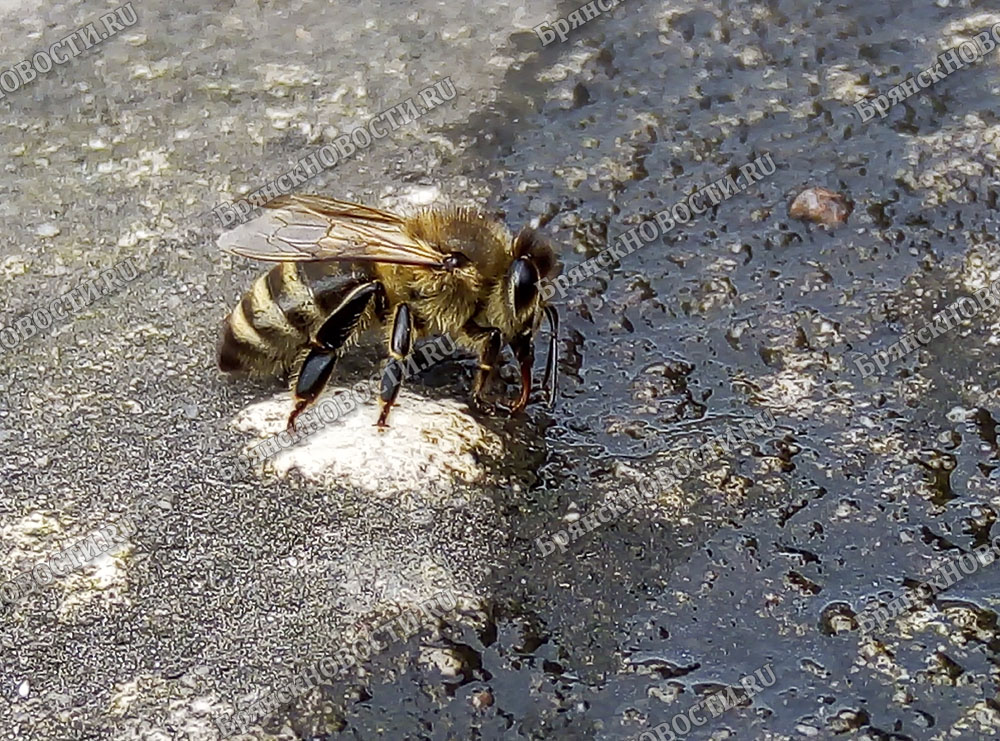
(534, 260)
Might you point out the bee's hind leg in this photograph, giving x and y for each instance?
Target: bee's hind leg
(315, 370)
(400, 344)
(313, 374)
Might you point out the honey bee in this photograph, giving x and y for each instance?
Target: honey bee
(344, 268)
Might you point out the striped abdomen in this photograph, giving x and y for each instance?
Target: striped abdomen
(276, 318)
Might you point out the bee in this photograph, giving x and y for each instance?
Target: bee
(345, 268)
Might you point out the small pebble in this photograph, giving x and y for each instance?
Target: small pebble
(820, 205)
(445, 661)
(482, 699)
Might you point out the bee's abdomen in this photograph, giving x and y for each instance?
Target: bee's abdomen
(277, 317)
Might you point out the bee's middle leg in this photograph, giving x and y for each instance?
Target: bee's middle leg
(400, 344)
(490, 340)
(337, 329)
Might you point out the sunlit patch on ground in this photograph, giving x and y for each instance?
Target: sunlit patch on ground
(427, 441)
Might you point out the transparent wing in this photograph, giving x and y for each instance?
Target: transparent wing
(304, 228)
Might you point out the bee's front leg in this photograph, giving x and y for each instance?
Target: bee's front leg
(523, 347)
(551, 382)
(400, 343)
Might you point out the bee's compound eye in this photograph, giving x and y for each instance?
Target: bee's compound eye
(455, 261)
(524, 283)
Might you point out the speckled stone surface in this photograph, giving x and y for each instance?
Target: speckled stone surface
(232, 584)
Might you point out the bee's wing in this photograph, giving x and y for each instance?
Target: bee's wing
(313, 228)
